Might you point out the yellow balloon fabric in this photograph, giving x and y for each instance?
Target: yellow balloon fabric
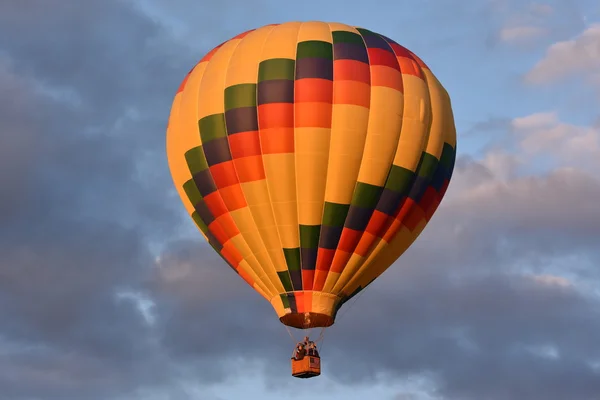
(311, 155)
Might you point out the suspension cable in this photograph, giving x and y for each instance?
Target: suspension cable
(287, 328)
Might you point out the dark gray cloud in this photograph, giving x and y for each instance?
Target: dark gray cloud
(487, 304)
(83, 111)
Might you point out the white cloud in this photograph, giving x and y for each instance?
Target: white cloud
(521, 33)
(528, 202)
(566, 155)
(537, 120)
(526, 24)
(579, 55)
(143, 304)
(552, 280)
(568, 145)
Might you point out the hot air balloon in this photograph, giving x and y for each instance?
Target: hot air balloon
(310, 155)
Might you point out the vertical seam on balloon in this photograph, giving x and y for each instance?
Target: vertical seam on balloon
(361, 262)
(273, 263)
(260, 267)
(295, 169)
(357, 173)
(329, 157)
(425, 142)
(373, 261)
(209, 172)
(262, 161)
(329, 149)
(381, 233)
(263, 268)
(198, 131)
(174, 121)
(276, 292)
(333, 82)
(219, 252)
(196, 120)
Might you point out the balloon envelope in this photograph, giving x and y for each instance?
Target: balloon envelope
(310, 155)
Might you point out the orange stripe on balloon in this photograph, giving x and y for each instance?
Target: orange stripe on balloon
(277, 140)
(377, 222)
(364, 245)
(349, 239)
(250, 169)
(308, 276)
(352, 92)
(232, 256)
(224, 174)
(218, 232)
(215, 204)
(317, 115)
(383, 57)
(409, 67)
(340, 260)
(408, 64)
(311, 90)
(351, 70)
(300, 302)
(245, 276)
(233, 197)
(276, 115)
(244, 144)
(324, 258)
(387, 77)
(228, 225)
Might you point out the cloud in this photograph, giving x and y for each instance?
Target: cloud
(529, 25)
(522, 25)
(579, 56)
(521, 33)
(544, 135)
(81, 111)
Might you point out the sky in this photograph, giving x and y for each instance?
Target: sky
(107, 291)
